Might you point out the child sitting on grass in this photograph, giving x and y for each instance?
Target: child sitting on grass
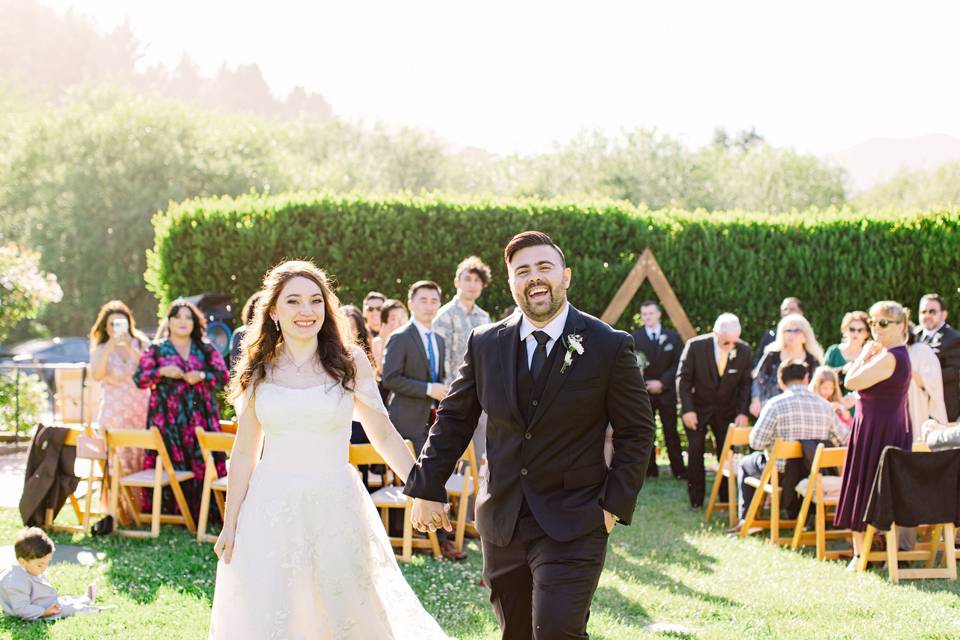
(24, 590)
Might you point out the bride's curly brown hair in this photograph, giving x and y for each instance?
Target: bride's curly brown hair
(262, 340)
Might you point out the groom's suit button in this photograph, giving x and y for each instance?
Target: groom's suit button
(527, 436)
(536, 403)
(523, 472)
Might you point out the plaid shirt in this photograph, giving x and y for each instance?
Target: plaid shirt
(797, 414)
(454, 324)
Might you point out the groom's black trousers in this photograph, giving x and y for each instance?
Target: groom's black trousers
(541, 588)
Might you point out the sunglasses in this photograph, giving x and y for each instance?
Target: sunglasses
(884, 323)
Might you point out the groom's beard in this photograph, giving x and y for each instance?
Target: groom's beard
(543, 309)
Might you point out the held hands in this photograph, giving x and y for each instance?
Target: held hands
(428, 515)
(52, 610)
(690, 420)
(436, 390)
(171, 371)
(225, 543)
(193, 377)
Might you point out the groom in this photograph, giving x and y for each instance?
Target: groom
(550, 379)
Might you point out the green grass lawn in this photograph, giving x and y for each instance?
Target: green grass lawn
(667, 567)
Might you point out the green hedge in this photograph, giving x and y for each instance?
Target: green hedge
(835, 260)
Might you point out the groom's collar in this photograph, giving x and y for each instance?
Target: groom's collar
(554, 328)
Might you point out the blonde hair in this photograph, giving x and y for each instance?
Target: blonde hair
(810, 340)
(826, 374)
(891, 309)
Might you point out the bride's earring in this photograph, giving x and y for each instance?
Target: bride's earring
(277, 324)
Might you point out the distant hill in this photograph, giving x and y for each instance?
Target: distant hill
(874, 161)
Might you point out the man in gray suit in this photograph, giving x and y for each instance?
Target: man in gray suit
(413, 372)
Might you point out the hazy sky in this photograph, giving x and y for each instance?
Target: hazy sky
(517, 75)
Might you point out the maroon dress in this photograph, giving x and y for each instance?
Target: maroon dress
(882, 419)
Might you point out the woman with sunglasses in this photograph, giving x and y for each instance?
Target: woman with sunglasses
(794, 340)
(854, 331)
(882, 375)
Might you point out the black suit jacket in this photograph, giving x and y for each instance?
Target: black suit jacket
(554, 461)
(663, 357)
(700, 387)
(406, 373)
(947, 349)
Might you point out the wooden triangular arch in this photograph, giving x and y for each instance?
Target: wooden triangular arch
(647, 267)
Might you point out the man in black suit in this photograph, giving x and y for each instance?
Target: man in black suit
(945, 342)
(413, 371)
(714, 388)
(660, 348)
(550, 379)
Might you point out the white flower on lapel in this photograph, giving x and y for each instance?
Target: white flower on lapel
(935, 343)
(733, 354)
(574, 345)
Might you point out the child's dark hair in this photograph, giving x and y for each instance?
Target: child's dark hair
(33, 543)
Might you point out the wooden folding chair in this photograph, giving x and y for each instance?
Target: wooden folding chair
(727, 468)
(768, 484)
(94, 474)
(162, 476)
(462, 485)
(210, 442)
(392, 497)
(824, 492)
(77, 398)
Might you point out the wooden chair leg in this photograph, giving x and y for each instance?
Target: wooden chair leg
(115, 489)
(76, 507)
(181, 501)
(462, 501)
(204, 506)
(865, 551)
(802, 520)
(775, 509)
(407, 550)
(950, 550)
(434, 545)
(157, 501)
(714, 492)
(759, 497)
(732, 515)
(934, 546)
(892, 567)
(88, 499)
(129, 501)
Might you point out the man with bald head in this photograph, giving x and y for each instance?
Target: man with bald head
(713, 384)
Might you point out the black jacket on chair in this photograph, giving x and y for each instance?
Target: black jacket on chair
(913, 488)
(49, 479)
(551, 452)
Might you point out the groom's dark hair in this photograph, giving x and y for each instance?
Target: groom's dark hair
(526, 239)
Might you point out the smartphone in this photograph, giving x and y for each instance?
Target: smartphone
(121, 326)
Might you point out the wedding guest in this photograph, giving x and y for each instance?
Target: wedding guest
(939, 436)
(246, 316)
(797, 413)
(183, 370)
(413, 372)
(713, 383)
(372, 304)
(882, 375)
(456, 320)
(659, 351)
(789, 306)
(359, 332)
(794, 341)
(925, 397)
(393, 315)
(115, 350)
(826, 384)
(854, 333)
(945, 342)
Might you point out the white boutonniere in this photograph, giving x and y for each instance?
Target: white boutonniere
(574, 345)
(935, 343)
(733, 354)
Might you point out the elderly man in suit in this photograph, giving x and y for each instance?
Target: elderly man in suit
(714, 388)
(413, 373)
(945, 342)
(659, 351)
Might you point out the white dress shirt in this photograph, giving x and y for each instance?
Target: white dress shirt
(554, 329)
(654, 334)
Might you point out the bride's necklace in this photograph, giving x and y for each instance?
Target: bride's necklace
(298, 367)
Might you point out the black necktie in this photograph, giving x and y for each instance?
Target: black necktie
(539, 353)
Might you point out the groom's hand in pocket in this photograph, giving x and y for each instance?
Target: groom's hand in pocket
(428, 515)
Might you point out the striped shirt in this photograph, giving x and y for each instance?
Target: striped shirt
(797, 414)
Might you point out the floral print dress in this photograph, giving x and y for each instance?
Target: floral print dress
(177, 408)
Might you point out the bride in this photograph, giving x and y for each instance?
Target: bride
(303, 552)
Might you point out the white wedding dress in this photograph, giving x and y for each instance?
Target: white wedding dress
(311, 558)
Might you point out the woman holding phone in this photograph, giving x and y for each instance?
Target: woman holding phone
(115, 350)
